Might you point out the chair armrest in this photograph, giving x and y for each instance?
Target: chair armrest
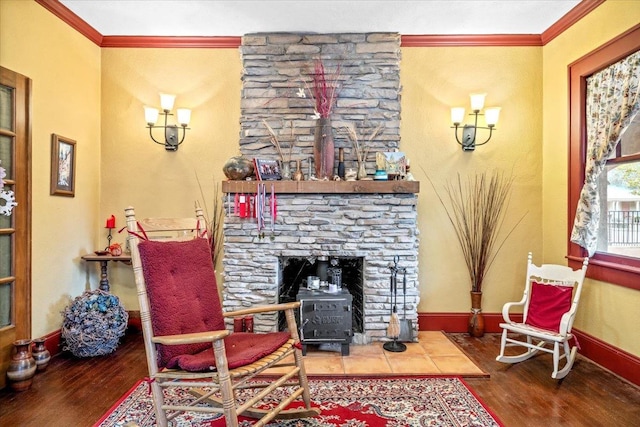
(508, 306)
(193, 338)
(566, 322)
(263, 309)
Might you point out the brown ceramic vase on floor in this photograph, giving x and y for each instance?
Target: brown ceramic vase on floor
(22, 367)
(324, 149)
(40, 354)
(476, 320)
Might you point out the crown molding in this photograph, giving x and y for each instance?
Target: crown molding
(73, 20)
(471, 40)
(171, 42)
(573, 16)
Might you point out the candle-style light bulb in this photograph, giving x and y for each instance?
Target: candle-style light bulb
(151, 115)
(491, 116)
(477, 101)
(166, 101)
(184, 116)
(457, 115)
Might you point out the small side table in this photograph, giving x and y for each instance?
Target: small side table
(104, 261)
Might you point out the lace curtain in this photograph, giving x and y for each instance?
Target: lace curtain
(612, 102)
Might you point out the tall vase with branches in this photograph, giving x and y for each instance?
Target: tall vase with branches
(477, 209)
(323, 90)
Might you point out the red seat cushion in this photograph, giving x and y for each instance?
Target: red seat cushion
(183, 295)
(242, 348)
(548, 302)
(182, 291)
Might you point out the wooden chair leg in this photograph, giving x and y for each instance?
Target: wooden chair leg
(228, 398)
(158, 401)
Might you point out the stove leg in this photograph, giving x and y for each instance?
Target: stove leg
(345, 349)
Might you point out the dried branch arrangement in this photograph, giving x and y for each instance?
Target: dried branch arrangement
(323, 89)
(361, 149)
(273, 137)
(477, 210)
(214, 221)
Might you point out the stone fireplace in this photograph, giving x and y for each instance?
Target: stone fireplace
(373, 226)
(368, 220)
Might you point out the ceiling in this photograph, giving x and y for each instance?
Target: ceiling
(235, 18)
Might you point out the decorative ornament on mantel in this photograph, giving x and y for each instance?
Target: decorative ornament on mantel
(477, 209)
(324, 149)
(238, 168)
(361, 149)
(285, 162)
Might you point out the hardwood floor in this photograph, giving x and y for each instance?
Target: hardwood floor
(77, 392)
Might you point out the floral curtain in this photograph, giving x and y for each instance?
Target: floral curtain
(612, 102)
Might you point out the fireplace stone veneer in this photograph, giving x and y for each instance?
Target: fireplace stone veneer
(373, 226)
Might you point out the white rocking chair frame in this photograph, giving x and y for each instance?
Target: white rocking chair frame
(536, 339)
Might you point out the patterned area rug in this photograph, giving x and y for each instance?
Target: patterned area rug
(348, 402)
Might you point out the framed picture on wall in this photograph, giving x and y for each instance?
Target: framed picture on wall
(63, 166)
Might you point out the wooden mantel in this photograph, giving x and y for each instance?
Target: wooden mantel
(324, 187)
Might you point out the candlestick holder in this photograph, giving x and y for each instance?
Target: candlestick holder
(108, 239)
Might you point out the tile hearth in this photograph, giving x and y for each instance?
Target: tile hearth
(433, 354)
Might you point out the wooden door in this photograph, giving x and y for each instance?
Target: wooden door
(15, 226)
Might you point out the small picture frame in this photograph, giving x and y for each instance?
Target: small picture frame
(394, 163)
(63, 166)
(267, 170)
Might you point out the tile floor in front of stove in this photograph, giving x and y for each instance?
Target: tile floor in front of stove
(433, 354)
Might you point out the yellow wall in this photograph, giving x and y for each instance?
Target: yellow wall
(65, 69)
(96, 97)
(142, 174)
(433, 81)
(607, 312)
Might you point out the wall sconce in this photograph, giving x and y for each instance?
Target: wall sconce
(170, 131)
(468, 141)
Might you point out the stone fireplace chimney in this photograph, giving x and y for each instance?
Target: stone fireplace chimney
(371, 220)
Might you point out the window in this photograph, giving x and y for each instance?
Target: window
(617, 257)
(619, 228)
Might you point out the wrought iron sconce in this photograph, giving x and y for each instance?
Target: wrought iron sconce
(468, 141)
(171, 141)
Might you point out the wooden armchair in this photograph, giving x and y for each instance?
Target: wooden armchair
(186, 340)
(549, 302)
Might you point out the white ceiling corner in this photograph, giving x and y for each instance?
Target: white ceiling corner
(236, 18)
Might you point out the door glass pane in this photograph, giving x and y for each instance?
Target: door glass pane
(6, 107)
(5, 221)
(6, 255)
(5, 304)
(6, 155)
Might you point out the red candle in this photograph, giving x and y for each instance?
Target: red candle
(248, 324)
(238, 324)
(111, 222)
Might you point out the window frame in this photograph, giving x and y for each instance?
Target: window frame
(611, 268)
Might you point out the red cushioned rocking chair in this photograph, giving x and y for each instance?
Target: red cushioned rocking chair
(186, 339)
(550, 301)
